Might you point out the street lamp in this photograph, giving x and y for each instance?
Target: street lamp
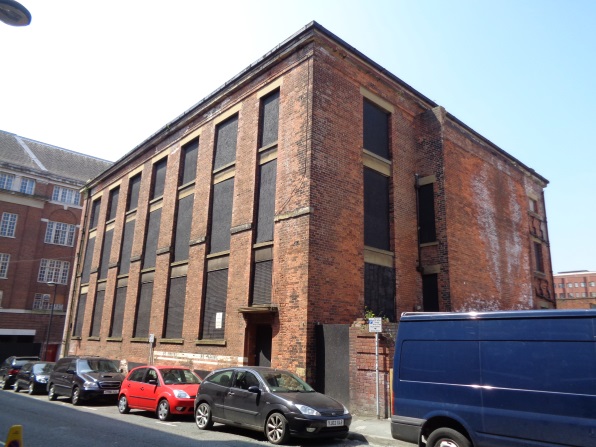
(45, 350)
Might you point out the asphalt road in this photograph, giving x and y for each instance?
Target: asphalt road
(59, 423)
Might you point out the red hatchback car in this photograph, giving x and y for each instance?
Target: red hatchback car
(167, 390)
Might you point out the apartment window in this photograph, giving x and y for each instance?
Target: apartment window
(27, 185)
(426, 213)
(262, 281)
(97, 313)
(118, 312)
(592, 284)
(379, 290)
(86, 271)
(592, 294)
(570, 285)
(269, 119)
(8, 224)
(104, 263)
(151, 239)
(113, 203)
(376, 210)
(584, 295)
(175, 308)
(78, 326)
(225, 146)
(183, 226)
(538, 257)
(4, 261)
(376, 130)
(143, 316)
(126, 251)
(95, 208)
(570, 295)
(221, 216)
(54, 271)
(213, 326)
(266, 201)
(583, 284)
(41, 301)
(533, 205)
(66, 195)
(6, 180)
(134, 188)
(60, 234)
(188, 171)
(159, 178)
(576, 285)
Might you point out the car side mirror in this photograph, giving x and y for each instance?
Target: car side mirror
(70, 371)
(254, 389)
(152, 382)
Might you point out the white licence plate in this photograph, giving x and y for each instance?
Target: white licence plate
(110, 392)
(335, 423)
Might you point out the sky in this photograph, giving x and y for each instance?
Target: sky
(101, 77)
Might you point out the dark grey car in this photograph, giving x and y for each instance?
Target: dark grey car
(33, 377)
(273, 401)
(10, 367)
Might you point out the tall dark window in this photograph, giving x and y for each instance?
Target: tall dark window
(183, 226)
(113, 203)
(538, 257)
(269, 119)
(175, 309)
(134, 188)
(159, 178)
(118, 312)
(143, 317)
(262, 280)
(376, 130)
(188, 170)
(430, 293)
(215, 305)
(376, 210)
(105, 254)
(221, 216)
(78, 326)
(85, 273)
(426, 214)
(226, 139)
(379, 290)
(151, 239)
(266, 201)
(95, 213)
(127, 239)
(97, 313)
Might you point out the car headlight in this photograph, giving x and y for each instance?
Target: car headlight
(41, 379)
(181, 394)
(307, 410)
(90, 385)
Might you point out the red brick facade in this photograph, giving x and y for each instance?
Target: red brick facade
(483, 256)
(575, 290)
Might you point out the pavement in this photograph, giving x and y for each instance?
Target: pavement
(374, 431)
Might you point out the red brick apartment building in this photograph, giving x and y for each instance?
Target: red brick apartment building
(575, 290)
(310, 189)
(40, 212)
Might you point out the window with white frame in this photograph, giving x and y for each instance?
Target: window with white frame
(42, 302)
(52, 270)
(570, 285)
(4, 260)
(27, 185)
(592, 283)
(60, 233)
(66, 195)
(8, 224)
(6, 180)
(583, 284)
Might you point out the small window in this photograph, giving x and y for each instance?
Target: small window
(225, 145)
(8, 225)
(159, 178)
(583, 284)
(4, 261)
(592, 284)
(113, 203)
(134, 187)
(66, 195)
(533, 205)
(95, 207)
(27, 185)
(60, 233)
(569, 285)
(54, 271)
(6, 180)
(188, 170)
(376, 130)
(538, 257)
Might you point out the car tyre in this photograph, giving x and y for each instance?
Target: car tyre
(203, 416)
(15, 387)
(276, 429)
(163, 410)
(123, 407)
(31, 389)
(52, 393)
(76, 396)
(3, 385)
(447, 437)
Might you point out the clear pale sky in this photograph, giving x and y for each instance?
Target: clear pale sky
(99, 77)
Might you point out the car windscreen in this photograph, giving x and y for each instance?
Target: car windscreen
(92, 365)
(43, 368)
(285, 382)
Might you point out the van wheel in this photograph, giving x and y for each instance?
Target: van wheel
(76, 396)
(447, 437)
(15, 387)
(52, 393)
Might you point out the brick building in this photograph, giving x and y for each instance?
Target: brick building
(40, 212)
(575, 290)
(310, 189)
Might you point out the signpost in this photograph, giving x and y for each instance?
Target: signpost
(376, 325)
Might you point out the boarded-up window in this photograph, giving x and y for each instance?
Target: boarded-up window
(188, 170)
(175, 310)
(127, 239)
(376, 130)
(266, 203)
(379, 290)
(118, 312)
(269, 119)
(88, 259)
(430, 293)
(97, 313)
(225, 146)
(159, 178)
(105, 254)
(113, 203)
(215, 305)
(183, 226)
(221, 217)
(261, 293)
(151, 239)
(376, 210)
(134, 188)
(78, 327)
(426, 211)
(95, 213)
(143, 316)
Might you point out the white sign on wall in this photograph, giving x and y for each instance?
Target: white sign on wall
(375, 324)
(218, 320)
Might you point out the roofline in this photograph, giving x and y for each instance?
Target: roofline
(575, 273)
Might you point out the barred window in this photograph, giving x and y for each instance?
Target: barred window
(53, 270)
(6, 180)
(60, 234)
(8, 224)
(4, 261)
(66, 195)
(27, 185)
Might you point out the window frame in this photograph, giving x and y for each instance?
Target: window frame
(8, 224)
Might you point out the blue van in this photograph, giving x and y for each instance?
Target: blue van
(516, 378)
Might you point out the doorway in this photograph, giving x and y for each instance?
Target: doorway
(264, 335)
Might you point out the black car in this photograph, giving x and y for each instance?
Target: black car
(273, 401)
(10, 367)
(85, 378)
(33, 377)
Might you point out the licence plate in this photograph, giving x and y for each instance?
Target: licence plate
(110, 392)
(335, 423)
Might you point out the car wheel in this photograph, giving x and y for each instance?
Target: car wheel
(163, 410)
(447, 437)
(3, 384)
(123, 407)
(31, 389)
(76, 396)
(52, 393)
(276, 429)
(15, 387)
(203, 416)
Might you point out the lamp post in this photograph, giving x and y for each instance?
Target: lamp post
(45, 349)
